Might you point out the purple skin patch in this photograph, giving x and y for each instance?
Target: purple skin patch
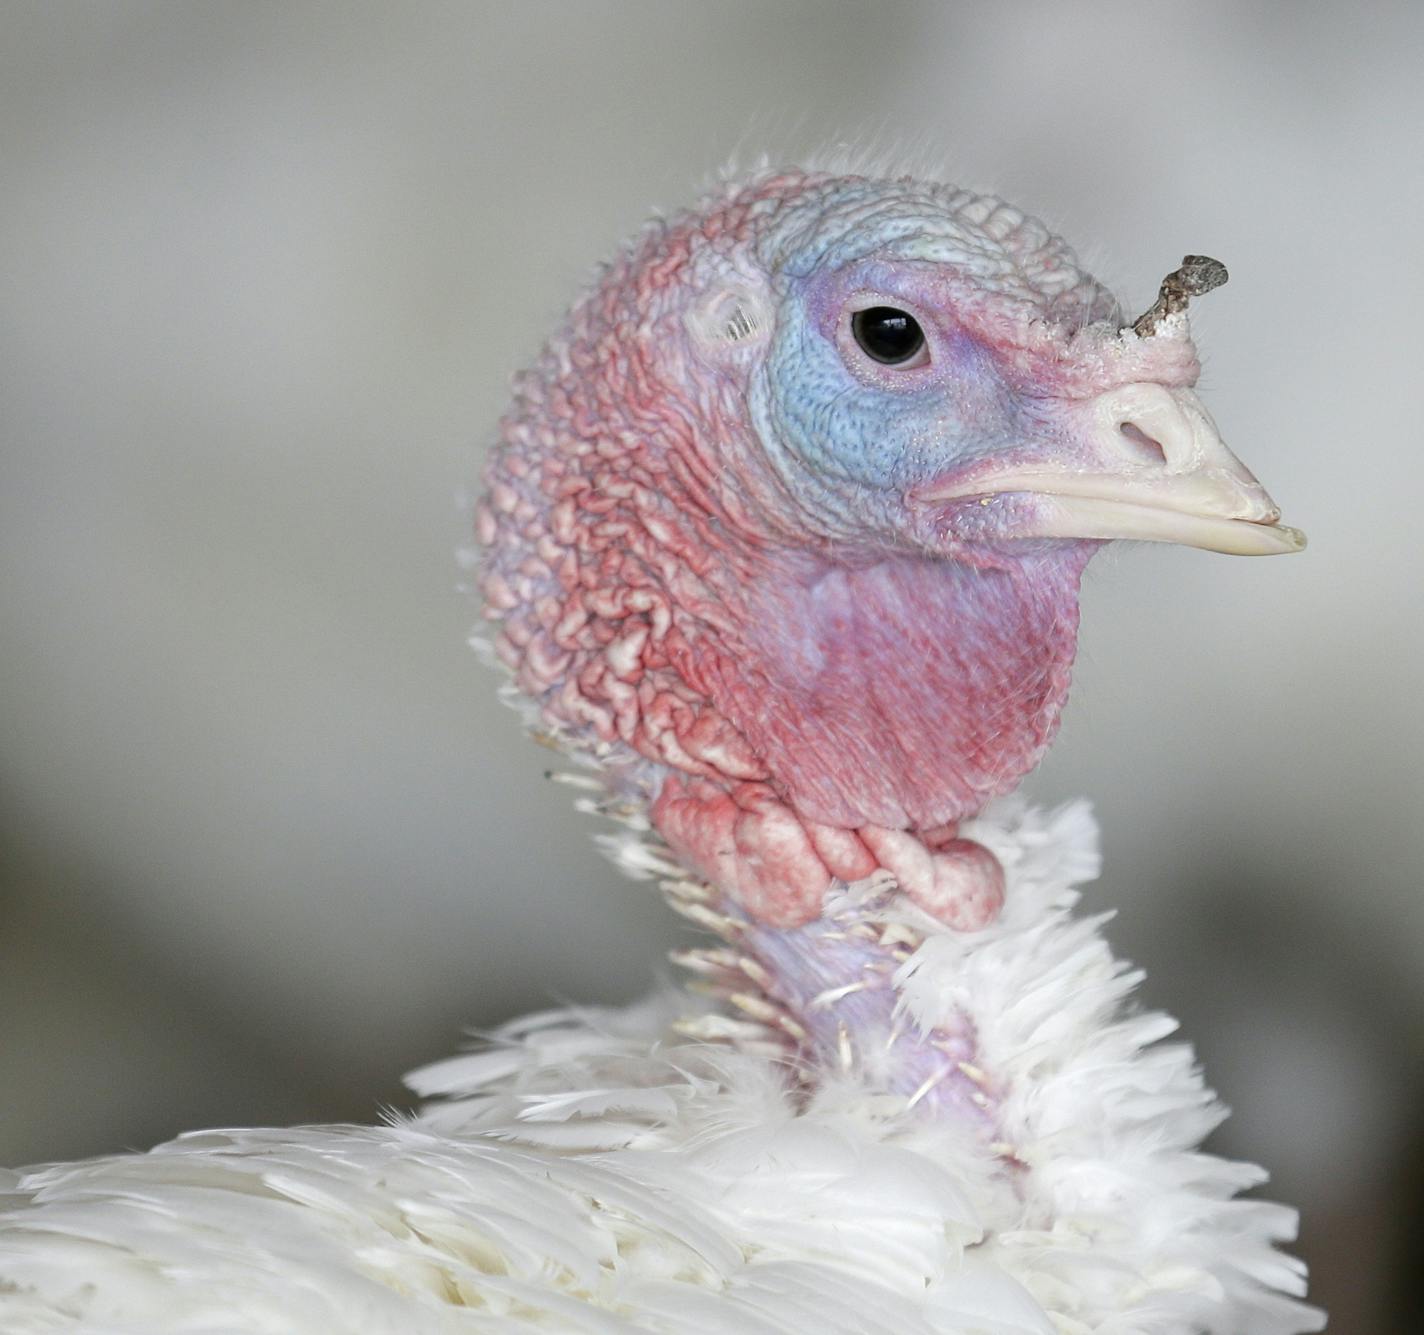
(813, 603)
(862, 1025)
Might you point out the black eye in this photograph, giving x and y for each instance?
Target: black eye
(886, 334)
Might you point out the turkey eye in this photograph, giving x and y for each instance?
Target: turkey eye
(886, 334)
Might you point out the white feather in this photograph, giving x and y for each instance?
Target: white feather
(589, 1171)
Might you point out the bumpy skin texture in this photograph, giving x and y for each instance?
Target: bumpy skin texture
(710, 561)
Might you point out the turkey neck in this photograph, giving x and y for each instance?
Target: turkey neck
(825, 999)
(898, 691)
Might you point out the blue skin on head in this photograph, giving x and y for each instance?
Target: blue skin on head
(847, 435)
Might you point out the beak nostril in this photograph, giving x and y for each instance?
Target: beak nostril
(1149, 450)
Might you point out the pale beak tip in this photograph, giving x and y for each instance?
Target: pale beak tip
(1265, 540)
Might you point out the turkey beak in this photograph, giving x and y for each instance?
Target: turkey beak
(1143, 460)
(1152, 467)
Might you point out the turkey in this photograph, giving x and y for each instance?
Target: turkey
(780, 546)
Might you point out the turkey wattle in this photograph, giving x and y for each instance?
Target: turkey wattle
(781, 541)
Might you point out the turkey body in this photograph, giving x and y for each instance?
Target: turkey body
(603, 1171)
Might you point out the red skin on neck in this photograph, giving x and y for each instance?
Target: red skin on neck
(809, 720)
(885, 702)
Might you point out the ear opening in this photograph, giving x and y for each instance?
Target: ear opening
(731, 319)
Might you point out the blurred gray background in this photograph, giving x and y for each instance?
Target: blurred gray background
(269, 840)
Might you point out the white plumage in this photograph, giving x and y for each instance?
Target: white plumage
(601, 1171)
